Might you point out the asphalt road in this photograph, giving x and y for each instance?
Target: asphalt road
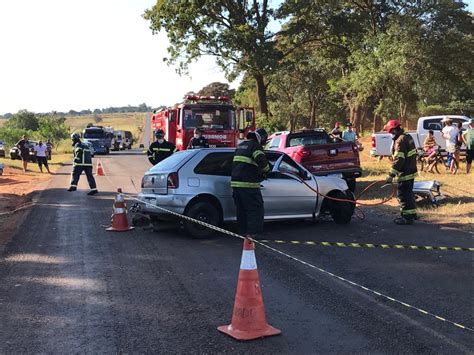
(67, 285)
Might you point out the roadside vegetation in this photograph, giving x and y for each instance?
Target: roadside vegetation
(58, 129)
(358, 61)
(457, 210)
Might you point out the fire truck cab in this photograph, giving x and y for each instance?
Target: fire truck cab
(222, 123)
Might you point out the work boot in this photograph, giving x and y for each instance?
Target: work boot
(72, 189)
(93, 192)
(403, 221)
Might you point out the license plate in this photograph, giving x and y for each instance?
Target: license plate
(212, 146)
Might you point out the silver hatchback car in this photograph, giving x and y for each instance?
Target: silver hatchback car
(196, 183)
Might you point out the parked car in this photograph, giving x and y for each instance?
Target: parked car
(196, 183)
(2, 149)
(382, 141)
(321, 154)
(15, 152)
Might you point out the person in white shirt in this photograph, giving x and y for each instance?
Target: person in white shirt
(41, 159)
(349, 135)
(450, 134)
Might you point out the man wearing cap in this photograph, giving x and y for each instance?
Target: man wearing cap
(198, 141)
(468, 139)
(160, 149)
(349, 135)
(336, 132)
(450, 134)
(404, 169)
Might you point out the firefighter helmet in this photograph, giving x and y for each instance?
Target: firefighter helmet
(392, 124)
(75, 137)
(159, 133)
(261, 135)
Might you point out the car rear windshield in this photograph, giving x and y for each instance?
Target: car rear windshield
(219, 163)
(95, 134)
(435, 124)
(173, 161)
(302, 139)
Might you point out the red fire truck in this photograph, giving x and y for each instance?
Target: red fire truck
(223, 124)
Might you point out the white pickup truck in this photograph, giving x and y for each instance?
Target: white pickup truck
(382, 141)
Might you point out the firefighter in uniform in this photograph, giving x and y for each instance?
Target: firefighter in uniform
(160, 149)
(82, 163)
(198, 141)
(249, 168)
(404, 168)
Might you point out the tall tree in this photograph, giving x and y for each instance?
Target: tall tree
(217, 89)
(236, 33)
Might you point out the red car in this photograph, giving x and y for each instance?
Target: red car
(321, 154)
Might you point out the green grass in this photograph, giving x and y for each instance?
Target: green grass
(132, 122)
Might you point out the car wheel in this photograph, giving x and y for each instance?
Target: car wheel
(202, 211)
(341, 211)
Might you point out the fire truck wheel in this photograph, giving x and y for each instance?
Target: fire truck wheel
(205, 212)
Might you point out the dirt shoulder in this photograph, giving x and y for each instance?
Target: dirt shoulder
(17, 190)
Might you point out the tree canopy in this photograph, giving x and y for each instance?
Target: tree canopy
(362, 61)
(236, 33)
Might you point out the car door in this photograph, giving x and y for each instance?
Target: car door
(284, 194)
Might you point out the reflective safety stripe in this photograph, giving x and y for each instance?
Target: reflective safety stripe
(248, 261)
(80, 164)
(242, 159)
(266, 169)
(257, 153)
(119, 210)
(250, 185)
(409, 211)
(394, 171)
(411, 153)
(94, 189)
(399, 155)
(73, 185)
(407, 177)
(162, 149)
(175, 150)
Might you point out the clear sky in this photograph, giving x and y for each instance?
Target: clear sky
(64, 54)
(68, 54)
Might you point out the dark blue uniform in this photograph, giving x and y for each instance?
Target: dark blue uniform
(196, 143)
(82, 163)
(248, 168)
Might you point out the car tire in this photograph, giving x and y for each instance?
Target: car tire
(341, 211)
(203, 211)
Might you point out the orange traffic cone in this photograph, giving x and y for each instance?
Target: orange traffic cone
(119, 218)
(248, 320)
(100, 170)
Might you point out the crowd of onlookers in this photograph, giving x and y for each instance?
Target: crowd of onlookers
(455, 136)
(42, 152)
